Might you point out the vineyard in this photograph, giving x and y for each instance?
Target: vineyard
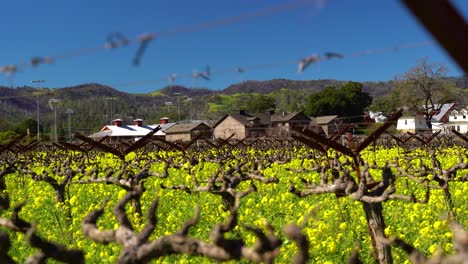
(341, 199)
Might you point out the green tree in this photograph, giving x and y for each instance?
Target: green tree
(27, 125)
(260, 103)
(355, 101)
(387, 104)
(7, 136)
(325, 102)
(289, 100)
(348, 101)
(251, 102)
(4, 126)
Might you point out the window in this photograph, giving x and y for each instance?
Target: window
(406, 122)
(458, 128)
(464, 116)
(455, 117)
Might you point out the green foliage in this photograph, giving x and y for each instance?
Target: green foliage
(260, 103)
(349, 100)
(386, 105)
(4, 126)
(373, 127)
(28, 125)
(7, 136)
(289, 100)
(251, 102)
(92, 109)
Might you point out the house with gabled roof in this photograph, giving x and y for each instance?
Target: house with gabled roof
(440, 119)
(458, 120)
(327, 125)
(118, 131)
(412, 124)
(283, 123)
(189, 132)
(242, 125)
(417, 123)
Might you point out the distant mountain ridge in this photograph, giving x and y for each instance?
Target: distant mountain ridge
(266, 87)
(93, 104)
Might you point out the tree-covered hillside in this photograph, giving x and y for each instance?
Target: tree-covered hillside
(95, 105)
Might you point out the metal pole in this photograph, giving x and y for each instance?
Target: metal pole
(190, 109)
(37, 106)
(112, 108)
(54, 102)
(55, 123)
(38, 120)
(69, 126)
(69, 112)
(178, 104)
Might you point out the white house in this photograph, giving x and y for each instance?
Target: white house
(439, 120)
(458, 120)
(412, 124)
(416, 124)
(378, 117)
(119, 131)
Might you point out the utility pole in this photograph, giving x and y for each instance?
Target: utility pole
(178, 104)
(69, 112)
(53, 103)
(112, 107)
(190, 109)
(37, 82)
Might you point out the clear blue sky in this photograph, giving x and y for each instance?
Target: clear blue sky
(55, 27)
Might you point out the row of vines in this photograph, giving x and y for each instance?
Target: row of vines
(306, 199)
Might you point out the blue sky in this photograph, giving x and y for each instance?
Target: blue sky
(50, 28)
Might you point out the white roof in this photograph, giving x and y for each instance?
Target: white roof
(443, 111)
(135, 131)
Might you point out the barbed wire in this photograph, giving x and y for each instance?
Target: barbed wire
(240, 70)
(302, 64)
(116, 39)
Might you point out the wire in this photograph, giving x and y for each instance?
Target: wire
(335, 56)
(144, 39)
(116, 40)
(240, 18)
(262, 66)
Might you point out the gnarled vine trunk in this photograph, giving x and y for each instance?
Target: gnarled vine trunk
(376, 226)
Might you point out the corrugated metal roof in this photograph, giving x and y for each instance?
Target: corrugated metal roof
(131, 130)
(444, 110)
